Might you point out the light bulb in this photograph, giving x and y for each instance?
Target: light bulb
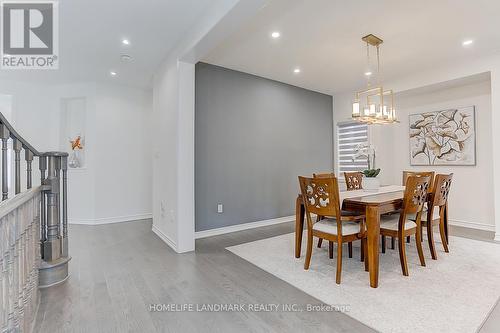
(372, 109)
(355, 109)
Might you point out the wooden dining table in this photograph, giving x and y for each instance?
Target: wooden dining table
(373, 204)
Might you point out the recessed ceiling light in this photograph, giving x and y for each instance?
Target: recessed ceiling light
(368, 73)
(125, 42)
(275, 34)
(125, 58)
(467, 42)
(296, 70)
(112, 73)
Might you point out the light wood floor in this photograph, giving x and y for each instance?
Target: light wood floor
(118, 270)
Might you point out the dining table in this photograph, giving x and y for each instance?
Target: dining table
(373, 203)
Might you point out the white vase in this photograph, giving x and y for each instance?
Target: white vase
(371, 183)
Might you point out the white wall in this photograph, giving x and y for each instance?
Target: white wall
(115, 184)
(451, 71)
(471, 197)
(471, 200)
(123, 155)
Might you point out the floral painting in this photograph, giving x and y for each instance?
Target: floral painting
(443, 138)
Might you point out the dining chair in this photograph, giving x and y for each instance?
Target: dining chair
(437, 206)
(349, 188)
(400, 225)
(407, 174)
(321, 197)
(318, 218)
(324, 175)
(353, 180)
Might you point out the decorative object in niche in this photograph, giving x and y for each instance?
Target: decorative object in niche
(76, 155)
(443, 137)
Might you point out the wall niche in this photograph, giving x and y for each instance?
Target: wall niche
(73, 135)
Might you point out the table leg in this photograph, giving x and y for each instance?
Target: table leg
(299, 225)
(373, 228)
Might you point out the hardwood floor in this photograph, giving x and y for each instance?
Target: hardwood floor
(118, 270)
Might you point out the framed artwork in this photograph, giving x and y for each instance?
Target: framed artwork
(445, 137)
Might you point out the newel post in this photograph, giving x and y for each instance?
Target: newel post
(55, 257)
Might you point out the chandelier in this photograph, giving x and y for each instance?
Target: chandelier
(374, 105)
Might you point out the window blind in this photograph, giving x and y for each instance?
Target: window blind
(349, 136)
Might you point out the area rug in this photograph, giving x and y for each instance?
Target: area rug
(452, 294)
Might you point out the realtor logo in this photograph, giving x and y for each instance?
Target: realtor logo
(29, 35)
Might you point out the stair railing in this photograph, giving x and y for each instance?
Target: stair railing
(33, 236)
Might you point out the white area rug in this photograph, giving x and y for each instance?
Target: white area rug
(452, 294)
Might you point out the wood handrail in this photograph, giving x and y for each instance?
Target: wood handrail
(7, 206)
(15, 135)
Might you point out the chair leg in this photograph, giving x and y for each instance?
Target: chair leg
(383, 244)
(349, 247)
(421, 231)
(419, 245)
(339, 262)
(402, 255)
(330, 249)
(365, 251)
(309, 250)
(430, 240)
(320, 241)
(408, 239)
(446, 223)
(393, 243)
(442, 232)
(362, 250)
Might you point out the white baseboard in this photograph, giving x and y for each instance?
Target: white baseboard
(497, 237)
(165, 238)
(107, 220)
(243, 226)
(472, 225)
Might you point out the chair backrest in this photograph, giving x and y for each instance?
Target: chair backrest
(353, 180)
(417, 188)
(442, 185)
(320, 196)
(430, 174)
(324, 175)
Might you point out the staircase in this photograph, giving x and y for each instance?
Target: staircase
(33, 236)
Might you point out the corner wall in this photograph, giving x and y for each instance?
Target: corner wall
(115, 183)
(173, 121)
(473, 200)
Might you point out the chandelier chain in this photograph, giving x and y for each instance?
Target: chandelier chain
(379, 79)
(368, 63)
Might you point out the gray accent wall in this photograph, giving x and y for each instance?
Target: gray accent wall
(253, 137)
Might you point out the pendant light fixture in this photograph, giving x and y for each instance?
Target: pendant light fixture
(374, 105)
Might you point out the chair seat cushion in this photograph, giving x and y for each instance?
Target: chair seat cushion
(435, 215)
(391, 222)
(329, 226)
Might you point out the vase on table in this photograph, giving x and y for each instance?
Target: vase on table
(371, 184)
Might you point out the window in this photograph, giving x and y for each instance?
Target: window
(350, 135)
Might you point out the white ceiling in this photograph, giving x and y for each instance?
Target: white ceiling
(91, 32)
(323, 38)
